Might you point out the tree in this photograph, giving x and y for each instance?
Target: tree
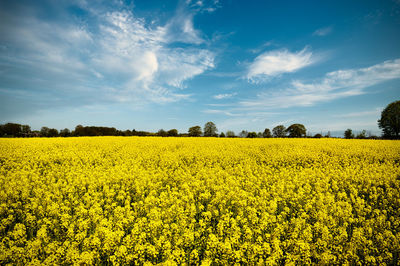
(267, 133)
(222, 135)
(52, 132)
(210, 130)
(79, 131)
(172, 132)
(44, 131)
(390, 120)
(279, 131)
(296, 131)
(25, 129)
(362, 135)
(125, 133)
(251, 135)
(348, 134)
(317, 136)
(12, 129)
(65, 132)
(195, 131)
(243, 134)
(162, 133)
(230, 134)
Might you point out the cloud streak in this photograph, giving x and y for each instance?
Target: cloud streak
(224, 96)
(334, 85)
(274, 63)
(114, 56)
(149, 68)
(268, 105)
(323, 31)
(203, 5)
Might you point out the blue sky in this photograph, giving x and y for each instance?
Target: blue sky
(147, 65)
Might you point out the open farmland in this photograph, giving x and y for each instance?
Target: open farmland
(142, 200)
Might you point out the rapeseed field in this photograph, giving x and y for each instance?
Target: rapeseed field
(144, 200)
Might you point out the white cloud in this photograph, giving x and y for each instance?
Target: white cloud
(152, 69)
(323, 31)
(224, 96)
(142, 56)
(261, 47)
(203, 5)
(180, 29)
(334, 85)
(134, 60)
(337, 84)
(215, 111)
(179, 65)
(274, 63)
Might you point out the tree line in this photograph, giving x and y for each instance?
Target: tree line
(209, 130)
(389, 123)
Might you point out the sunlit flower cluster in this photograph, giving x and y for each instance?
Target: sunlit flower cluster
(132, 200)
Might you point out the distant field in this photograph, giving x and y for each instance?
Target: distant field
(133, 200)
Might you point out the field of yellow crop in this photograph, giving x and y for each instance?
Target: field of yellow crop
(138, 200)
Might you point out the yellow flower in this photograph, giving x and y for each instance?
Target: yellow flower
(145, 200)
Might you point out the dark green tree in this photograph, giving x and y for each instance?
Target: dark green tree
(251, 135)
(162, 133)
(195, 131)
(172, 132)
(25, 129)
(124, 133)
(52, 132)
(279, 131)
(222, 135)
(296, 131)
(348, 134)
(79, 131)
(65, 132)
(390, 120)
(12, 129)
(267, 133)
(44, 131)
(210, 130)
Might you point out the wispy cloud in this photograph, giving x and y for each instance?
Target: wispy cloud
(204, 5)
(152, 68)
(277, 62)
(215, 111)
(267, 107)
(323, 31)
(181, 29)
(115, 55)
(261, 47)
(224, 74)
(337, 84)
(224, 96)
